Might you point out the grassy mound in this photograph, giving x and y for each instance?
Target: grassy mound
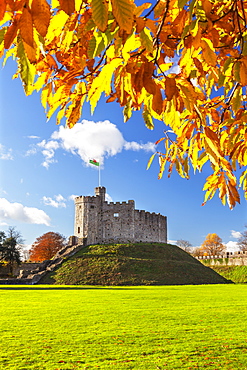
(133, 264)
(238, 274)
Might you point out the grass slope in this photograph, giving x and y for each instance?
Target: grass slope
(238, 274)
(133, 264)
(136, 328)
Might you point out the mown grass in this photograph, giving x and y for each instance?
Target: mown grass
(172, 327)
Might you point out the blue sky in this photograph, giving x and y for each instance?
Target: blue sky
(43, 166)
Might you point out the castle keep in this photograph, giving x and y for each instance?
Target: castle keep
(101, 222)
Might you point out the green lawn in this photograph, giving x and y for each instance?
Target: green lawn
(162, 327)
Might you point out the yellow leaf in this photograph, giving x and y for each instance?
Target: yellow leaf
(41, 81)
(208, 52)
(150, 160)
(100, 14)
(102, 82)
(132, 43)
(45, 94)
(26, 69)
(127, 112)
(139, 9)
(147, 118)
(146, 40)
(237, 99)
(56, 25)
(162, 162)
(74, 113)
(41, 14)
(26, 27)
(123, 13)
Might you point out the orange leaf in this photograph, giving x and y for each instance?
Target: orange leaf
(26, 27)
(157, 103)
(41, 14)
(170, 88)
(68, 6)
(2, 8)
(11, 34)
(243, 74)
(148, 82)
(30, 52)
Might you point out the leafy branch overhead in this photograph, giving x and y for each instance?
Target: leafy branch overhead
(181, 62)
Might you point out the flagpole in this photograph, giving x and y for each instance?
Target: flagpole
(99, 175)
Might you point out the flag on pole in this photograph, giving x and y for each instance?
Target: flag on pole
(93, 161)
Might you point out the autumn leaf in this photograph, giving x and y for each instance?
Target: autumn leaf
(40, 11)
(26, 69)
(123, 13)
(208, 51)
(68, 6)
(157, 103)
(74, 50)
(11, 33)
(100, 14)
(2, 8)
(26, 26)
(170, 88)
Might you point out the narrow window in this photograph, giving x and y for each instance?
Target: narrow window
(79, 230)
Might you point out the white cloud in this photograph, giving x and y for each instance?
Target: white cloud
(48, 151)
(232, 246)
(89, 140)
(33, 137)
(72, 197)
(5, 154)
(18, 212)
(236, 234)
(57, 202)
(31, 151)
(108, 198)
(133, 145)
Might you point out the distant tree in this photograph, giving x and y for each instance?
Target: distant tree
(46, 246)
(212, 245)
(242, 241)
(185, 245)
(10, 247)
(197, 252)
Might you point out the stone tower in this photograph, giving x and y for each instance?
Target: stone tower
(98, 221)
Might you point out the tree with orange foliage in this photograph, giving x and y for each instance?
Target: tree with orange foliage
(46, 246)
(181, 62)
(212, 245)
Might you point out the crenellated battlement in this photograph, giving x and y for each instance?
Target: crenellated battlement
(100, 221)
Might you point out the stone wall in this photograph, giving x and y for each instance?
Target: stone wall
(103, 222)
(227, 259)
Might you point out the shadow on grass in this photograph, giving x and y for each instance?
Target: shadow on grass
(31, 287)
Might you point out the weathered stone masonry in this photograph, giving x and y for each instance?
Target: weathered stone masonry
(101, 222)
